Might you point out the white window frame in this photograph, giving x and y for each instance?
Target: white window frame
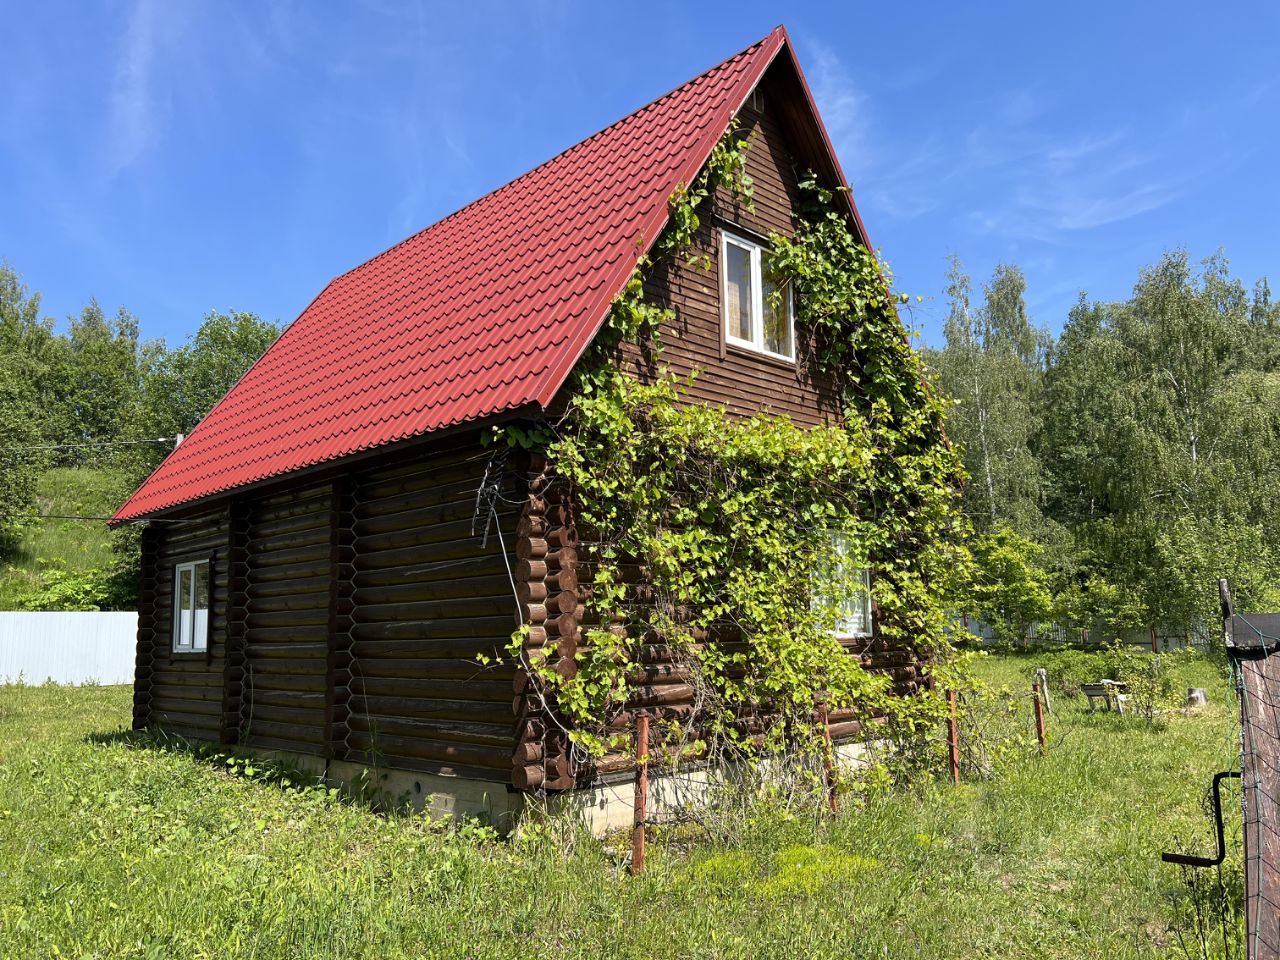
(195, 640)
(846, 628)
(756, 343)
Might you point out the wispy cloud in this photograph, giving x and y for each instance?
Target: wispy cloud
(133, 107)
(844, 108)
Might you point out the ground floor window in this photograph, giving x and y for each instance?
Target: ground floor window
(191, 606)
(853, 617)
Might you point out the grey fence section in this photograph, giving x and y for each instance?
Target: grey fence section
(1162, 638)
(67, 647)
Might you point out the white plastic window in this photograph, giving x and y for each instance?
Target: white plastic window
(854, 609)
(756, 315)
(191, 607)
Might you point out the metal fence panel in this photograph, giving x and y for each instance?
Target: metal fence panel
(67, 647)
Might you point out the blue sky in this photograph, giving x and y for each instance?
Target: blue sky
(177, 157)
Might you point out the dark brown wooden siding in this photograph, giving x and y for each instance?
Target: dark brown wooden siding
(287, 620)
(431, 597)
(741, 380)
(184, 691)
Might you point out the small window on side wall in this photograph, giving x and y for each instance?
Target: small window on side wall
(852, 583)
(191, 607)
(758, 313)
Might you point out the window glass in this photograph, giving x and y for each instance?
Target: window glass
(854, 609)
(184, 596)
(777, 318)
(738, 294)
(200, 618)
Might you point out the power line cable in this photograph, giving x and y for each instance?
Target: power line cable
(95, 444)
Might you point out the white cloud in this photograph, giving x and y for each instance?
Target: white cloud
(843, 108)
(133, 108)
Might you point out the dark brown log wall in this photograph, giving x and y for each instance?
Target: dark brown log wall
(287, 620)
(362, 603)
(181, 692)
(741, 380)
(430, 597)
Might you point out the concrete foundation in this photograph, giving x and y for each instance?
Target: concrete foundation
(600, 807)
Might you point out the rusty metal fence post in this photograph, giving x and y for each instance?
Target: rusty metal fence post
(953, 738)
(640, 808)
(828, 757)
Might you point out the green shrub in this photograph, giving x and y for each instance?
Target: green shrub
(61, 589)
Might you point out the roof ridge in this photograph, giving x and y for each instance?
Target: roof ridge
(532, 170)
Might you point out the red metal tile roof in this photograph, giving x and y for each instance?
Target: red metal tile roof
(484, 312)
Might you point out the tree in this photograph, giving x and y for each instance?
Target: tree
(181, 386)
(1010, 590)
(992, 366)
(101, 380)
(1160, 441)
(24, 383)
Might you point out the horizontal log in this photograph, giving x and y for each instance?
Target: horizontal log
(491, 734)
(292, 651)
(431, 707)
(170, 692)
(496, 629)
(422, 569)
(438, 668)
(664, 695)
(187, 707)
(473, 591)
(423, 525)
(317, 517)
(432, 648)
(414, 688)
(294, 503)
(276, 697)
(284, 742)
(301, 561)
(425, 559)
(455, 493)
(315, 619)
(297, 598)
(476, 755)
(440, 611)
(309, 716)
(457, 474)
(288, 587)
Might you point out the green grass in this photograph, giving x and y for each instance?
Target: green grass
(81, 545)
(109, 848)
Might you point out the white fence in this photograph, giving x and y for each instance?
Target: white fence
(67, 647)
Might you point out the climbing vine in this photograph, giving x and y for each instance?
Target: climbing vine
(722, 551)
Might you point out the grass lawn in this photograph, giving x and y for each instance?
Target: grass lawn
(81, 545)
(111, 849)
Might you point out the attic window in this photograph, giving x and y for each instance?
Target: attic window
(758, 315)
(191, 607)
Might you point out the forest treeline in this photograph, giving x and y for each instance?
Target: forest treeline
(1117, 470)
(96, 395)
